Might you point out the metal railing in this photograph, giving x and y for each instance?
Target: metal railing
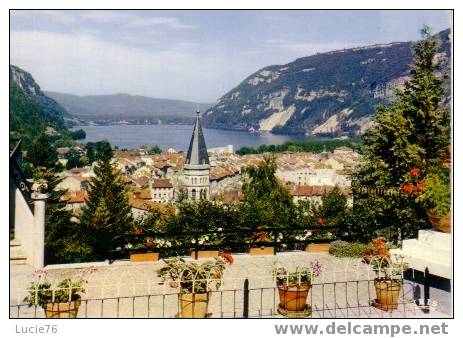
(348, 299)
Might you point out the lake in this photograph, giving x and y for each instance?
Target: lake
(177, 136)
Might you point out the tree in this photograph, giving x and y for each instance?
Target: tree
(63, 243)
(41, 153)
(267, 202)
(154, 150)
(413, 132)
(74, 159)
(107, 212)
(334, 208)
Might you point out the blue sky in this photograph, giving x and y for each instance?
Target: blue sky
(191, 55)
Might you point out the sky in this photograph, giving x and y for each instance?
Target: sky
(196, 55)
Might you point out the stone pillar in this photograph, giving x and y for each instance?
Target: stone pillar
(39, 230)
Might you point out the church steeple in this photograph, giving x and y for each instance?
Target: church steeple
(197, 167)
(197, 151)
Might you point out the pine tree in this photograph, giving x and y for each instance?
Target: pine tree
(412, 132)
(107, 212)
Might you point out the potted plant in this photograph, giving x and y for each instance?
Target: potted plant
(434, 193)
(261, 238)
(194, 283)
(147, 249)
(431, 188)
(377, 248)
(388, 282)
(61, 301)
(293, 287)
(201, 243)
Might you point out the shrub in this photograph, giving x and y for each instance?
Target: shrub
(346, 249)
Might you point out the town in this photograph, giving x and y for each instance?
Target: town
(153, 180)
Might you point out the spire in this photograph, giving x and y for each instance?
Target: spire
(197, 151)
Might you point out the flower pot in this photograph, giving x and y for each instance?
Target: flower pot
(318, 247)
(441, 223)
(144, 257)
(205, 254)
(387, 293)
(293, 297)
(62, 310)
(193, 305)
(262, 250)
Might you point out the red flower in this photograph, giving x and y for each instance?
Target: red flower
(321, 221)
(137, 232)
(421, 185)
(414, 171)
(227, 257)
(408, 188)
(379, 243)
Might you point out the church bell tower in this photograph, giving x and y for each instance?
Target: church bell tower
(197, 166)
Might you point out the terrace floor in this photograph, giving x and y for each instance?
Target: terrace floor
(345, 289)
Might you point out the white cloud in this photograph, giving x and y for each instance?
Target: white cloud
(82, 64)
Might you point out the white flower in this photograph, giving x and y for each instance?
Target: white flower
(128, 246)
(206, 238)
(201, 242)
(219, 229)
(193, 241)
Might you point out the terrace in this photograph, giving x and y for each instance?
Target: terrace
(344, 289)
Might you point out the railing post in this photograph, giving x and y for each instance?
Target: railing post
(426, 286)
(246, 298)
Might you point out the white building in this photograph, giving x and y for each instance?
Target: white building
(161, 191)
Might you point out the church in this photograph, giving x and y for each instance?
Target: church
(197, 165)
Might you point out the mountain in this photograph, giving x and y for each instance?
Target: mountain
(127, 107)
(332, 93)
(31, 111)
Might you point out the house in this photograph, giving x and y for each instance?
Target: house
(74, 183)
(161, 191)
(315, 194)
(75, 200)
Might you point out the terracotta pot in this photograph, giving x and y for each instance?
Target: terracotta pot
(262, 250)
(193, 305)
(62, 310)
(205, 254)
(144, 257)
(387, 293)
(293, 297)
(441, 223)
(318, 247)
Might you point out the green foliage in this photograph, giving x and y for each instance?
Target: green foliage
(191, 277)
(413, 132)
(41, 153)
(267, 202)
(304, 275)
(314, 146)
(74, 159)
(436, 193)
(63, 243)
(78, 134)
(154, 150)
(42, 293)
(334, 207)
(346, 249)
(107, 213)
